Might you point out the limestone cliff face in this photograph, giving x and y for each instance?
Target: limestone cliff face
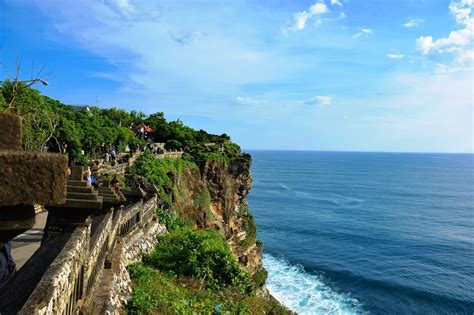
(214, 196)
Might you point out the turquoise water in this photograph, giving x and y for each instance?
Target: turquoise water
(380, 233)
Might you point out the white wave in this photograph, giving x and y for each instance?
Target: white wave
(305, 293)
(339, 200)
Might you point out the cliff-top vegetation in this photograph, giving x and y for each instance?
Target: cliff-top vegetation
(194, 272)
(85, 132)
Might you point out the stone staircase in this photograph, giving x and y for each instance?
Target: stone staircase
(111, 197)
(79, 194)
(81, 201)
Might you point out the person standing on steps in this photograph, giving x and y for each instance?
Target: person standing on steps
(87, 175)
(115, 184)
(113, 155)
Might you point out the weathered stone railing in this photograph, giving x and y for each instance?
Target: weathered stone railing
(119, 168)
(170, 154)
(72, 280)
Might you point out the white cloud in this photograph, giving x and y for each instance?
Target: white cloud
(413, 22)
(247, 101)
(122, 7)
(395, 56)
(464, 62)
(147, 64)
(301, 18)
(465, 57)
(430, 112)
(336, 2)
(319, 101)
(456, 40)
(185, 38)
(366, 32)
(461, 10)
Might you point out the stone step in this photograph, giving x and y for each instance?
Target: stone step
(107, 193)
(102, 188)
(79, 189)
(122, 197)
(83, 204)
(77, 183)
(111, 200)
(82, 196)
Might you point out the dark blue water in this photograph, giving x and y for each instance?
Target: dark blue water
(367, 232)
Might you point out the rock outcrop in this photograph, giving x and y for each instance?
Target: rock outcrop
(214, 196)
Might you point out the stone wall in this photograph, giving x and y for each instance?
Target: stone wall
(58, 291)
(129, 251)
(93, 263)
(170, 154)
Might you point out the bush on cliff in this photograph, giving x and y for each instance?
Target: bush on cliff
(176, 279)
(160, 172)
(170, 221)
(250, 229)
(202, 254)
(156, 292)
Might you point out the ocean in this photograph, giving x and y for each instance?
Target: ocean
(366, 233)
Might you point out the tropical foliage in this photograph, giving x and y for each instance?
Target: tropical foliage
(193, 271)
(51, 125)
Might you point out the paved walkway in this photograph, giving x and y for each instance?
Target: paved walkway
(26, 244)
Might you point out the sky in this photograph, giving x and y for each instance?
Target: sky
(342, 75)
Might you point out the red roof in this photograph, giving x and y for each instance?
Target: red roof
(145, 127)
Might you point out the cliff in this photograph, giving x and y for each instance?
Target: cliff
(213, 195)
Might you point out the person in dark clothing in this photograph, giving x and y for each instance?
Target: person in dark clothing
(7, 264)
(115, 184)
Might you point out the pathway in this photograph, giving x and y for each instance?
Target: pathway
(26, 244)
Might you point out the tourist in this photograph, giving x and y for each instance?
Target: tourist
(93, 182)
(7, 264)
(113, 155)
(107, 157)
(115, 184)
(88, 174)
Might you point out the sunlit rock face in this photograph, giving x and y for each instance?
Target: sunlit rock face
(214, 196)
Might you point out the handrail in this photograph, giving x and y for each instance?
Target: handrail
(78, 267)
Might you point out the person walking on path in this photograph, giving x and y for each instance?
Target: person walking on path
(113, 155)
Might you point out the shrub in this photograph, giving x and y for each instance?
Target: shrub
(173, 145)
(156, 292)
(202, 254)
(250, 229)
(203, 202)
(170, 221)
(260, 277)
(158, 171)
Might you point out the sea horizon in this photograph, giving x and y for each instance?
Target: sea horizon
(366, 233)
(349, 151)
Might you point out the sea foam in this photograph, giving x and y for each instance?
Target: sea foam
(305, 293)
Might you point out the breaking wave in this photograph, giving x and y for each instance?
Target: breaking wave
(305, 293)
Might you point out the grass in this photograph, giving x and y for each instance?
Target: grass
(250, 229)
(193, 272)
(203, 254)
(161, 172)
(157, 292)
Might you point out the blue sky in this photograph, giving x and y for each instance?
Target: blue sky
(355, 75)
